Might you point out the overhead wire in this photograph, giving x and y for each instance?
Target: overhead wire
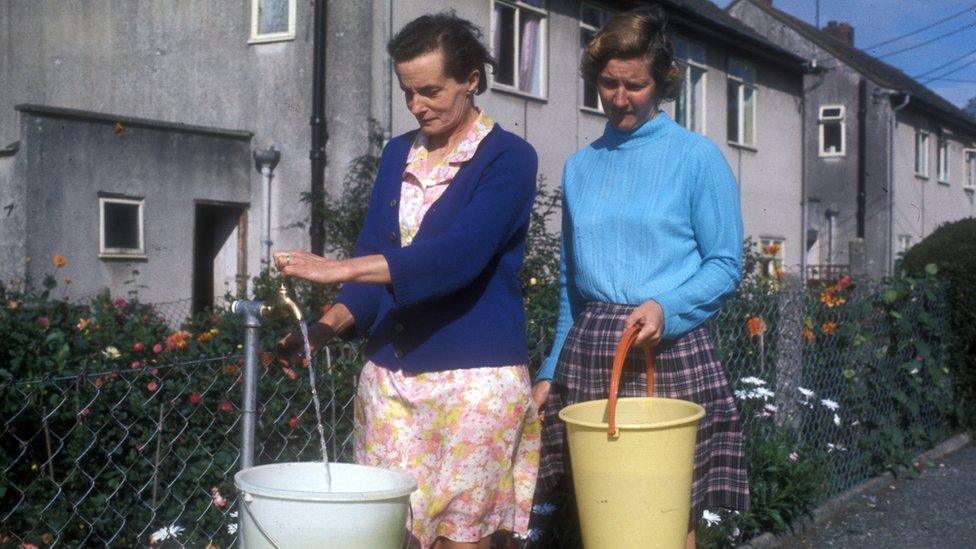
(925, 28)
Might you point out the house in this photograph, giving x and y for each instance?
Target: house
(198, 88)
(886, 159)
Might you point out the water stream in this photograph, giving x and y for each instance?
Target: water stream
(318, 408)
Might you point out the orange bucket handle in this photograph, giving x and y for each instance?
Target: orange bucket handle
(619, 358)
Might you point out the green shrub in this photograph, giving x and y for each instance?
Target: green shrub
(952, 250)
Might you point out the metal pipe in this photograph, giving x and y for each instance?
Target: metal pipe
(265, 162)
(891, 182)
(319, 132)
(251, 311)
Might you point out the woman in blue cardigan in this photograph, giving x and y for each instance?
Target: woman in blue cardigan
(445, 395)
(652, 236)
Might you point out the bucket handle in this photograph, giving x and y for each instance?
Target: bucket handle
(619, 358)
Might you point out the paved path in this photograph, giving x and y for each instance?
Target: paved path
(937, 509)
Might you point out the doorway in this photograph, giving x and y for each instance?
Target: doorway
(219, 253)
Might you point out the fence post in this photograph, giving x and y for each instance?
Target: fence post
(251, 310)
(789, 350)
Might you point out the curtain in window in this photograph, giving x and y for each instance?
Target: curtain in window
(530, 78)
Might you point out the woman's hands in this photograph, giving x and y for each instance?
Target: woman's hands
(371, 269)
(540, 393)
(650, 316)
(335, 321)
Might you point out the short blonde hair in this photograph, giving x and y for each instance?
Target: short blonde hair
(641, 32)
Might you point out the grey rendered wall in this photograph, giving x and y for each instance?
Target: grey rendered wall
(924, 203)
(190, 62)
(13, 218)
(70, 161)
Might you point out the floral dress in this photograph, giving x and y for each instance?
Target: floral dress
(471, 436)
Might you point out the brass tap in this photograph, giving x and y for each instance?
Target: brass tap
(283, 303)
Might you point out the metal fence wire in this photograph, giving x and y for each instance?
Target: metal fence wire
(128, 456)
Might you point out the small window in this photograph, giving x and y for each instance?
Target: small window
(942, 159)
(120, 227)
(904, 243)
(921, 153)
(272, 20)
(741, 96)
(832, 131)
(518, 35)
(771, 256)
(592, 20)
(969, 165)
(689, 107)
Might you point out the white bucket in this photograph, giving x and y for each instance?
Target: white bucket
(287, 505)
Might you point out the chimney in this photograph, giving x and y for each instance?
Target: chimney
(840, 30)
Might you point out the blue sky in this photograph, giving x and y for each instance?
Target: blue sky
(875, 21)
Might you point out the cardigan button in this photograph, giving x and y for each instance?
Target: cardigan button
(398, 353)
(393, 203)
(393, 236)
(398, 328)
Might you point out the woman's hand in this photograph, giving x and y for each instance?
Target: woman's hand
(540, 394)
(311, 267)
(292, 347)
(650, 316)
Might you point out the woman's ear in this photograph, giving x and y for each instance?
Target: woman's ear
(474, 79)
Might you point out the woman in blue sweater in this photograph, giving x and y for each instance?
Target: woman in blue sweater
(652, 235)
(445, 395)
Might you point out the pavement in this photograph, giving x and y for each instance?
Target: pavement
(936, 508)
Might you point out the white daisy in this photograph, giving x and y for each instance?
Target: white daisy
(763, 393)
(232, 528)
(806, 392)
(710, 518)
(830, 404)
(752, 380)
(165, 533)
(837, 420)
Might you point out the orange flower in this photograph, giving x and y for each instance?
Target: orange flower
(60, 261)
(829, 327)
(756, 326)
(771, 249)
(808, 334)
(829, 298)
(178, 340)
(83, 324)
(12, 305)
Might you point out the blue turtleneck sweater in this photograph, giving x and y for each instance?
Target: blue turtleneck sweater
(648, 214)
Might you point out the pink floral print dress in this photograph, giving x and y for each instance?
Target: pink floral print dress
(471, 436)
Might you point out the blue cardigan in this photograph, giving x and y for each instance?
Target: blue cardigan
(455, 300)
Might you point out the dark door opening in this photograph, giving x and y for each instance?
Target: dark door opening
(219, 253)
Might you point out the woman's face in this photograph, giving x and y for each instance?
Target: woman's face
(438, 102)
(626, 89)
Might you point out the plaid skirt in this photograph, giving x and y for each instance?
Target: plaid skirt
(686, 369)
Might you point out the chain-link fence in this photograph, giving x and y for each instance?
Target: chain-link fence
(146, 452)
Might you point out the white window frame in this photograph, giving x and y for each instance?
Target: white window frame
(942, 159)
(969, 169)
(122, 253)
(686, 66)
(842, 120)
(273, 36)
(742, 84)
(518, 6)
(924, 150)
(582, 82)
(770, 264)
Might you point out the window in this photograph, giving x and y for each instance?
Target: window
(272, 20)
(592, 19)
(689, 108)
(904, 242)
(741, 103)
(942, 159)
(120, 231)
(969, 167)
(771, 256)
(921, 153)
(832, 135)
(518, 30)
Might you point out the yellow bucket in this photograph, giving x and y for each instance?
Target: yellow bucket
(632, 462)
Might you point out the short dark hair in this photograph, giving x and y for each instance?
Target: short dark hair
(640, 32)
(458, 40)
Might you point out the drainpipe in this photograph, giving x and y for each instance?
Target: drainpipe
(319, 131)
(891, 181)
(803, 190)
(265, 162)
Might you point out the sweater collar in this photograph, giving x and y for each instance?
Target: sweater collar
(652, 129)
